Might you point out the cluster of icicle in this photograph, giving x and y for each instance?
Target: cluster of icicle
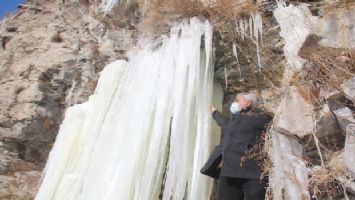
(253, 30)
(146, 131)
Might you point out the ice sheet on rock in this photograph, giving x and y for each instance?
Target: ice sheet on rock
(107, 5)
(289, 176)
(296, 23)
(337, 29)
(147, 118)
(78, 132)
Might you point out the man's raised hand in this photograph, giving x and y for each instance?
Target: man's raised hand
(212, 108)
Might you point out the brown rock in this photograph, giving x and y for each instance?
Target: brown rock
(294, 115)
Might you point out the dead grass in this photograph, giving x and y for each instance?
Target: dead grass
(159, 14)
(260, 153)
(341, 4)
(326, 68)
(56, 38)
(324, 182)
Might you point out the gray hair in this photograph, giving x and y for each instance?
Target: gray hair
(250, 96)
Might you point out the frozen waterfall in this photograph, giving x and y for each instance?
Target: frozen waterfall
(146, 130)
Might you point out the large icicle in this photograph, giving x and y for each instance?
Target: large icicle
(258, 30)
(258, 26)
(144, 114)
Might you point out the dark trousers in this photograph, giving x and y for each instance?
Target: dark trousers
(239, 189)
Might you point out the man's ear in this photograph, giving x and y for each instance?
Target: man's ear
(249, 104)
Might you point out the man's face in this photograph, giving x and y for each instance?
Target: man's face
(243, 102)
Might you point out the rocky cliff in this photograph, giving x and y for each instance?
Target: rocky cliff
(51, 55)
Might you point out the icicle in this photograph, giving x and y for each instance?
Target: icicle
(237, 28)
(246, 26)
(251, 26)
(242, 30)
(235, 52)
(69, 97)
(226, 77)
(257, 28)
(258, 55)
(143, 114)
(107, 5)
(258, 24)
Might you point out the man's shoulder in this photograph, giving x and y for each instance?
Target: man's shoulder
(261, 113)
(257, 110)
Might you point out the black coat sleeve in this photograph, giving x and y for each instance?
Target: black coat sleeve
(218, 117)
(264, 121)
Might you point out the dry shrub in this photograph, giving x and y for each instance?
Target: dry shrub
(260, 152)
(56, 38)
(330, 6)
(326, 68)
(159, 14)
(272, 69)
(324, 182)
(308, 89)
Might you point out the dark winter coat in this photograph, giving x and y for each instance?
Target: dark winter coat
(240, 133)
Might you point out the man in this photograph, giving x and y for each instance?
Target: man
(240, 180)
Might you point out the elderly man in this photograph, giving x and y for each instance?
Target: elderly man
(239, 181)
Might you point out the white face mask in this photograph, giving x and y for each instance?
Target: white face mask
(234, 108)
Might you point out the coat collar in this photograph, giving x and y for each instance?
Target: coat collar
(242, 112)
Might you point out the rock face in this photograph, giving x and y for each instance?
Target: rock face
(348, 88)
(295, 114)
(50, 58)
(312, 114)
(286, 155)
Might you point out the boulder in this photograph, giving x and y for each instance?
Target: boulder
(349, 149)
(289, 175)
(339, 105)
(348, 87)
(327, 125)
(271, 99)
(294, 115)
(344, 117)
(22, 185)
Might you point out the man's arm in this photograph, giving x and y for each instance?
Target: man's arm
(266, 118)
(218, 117)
